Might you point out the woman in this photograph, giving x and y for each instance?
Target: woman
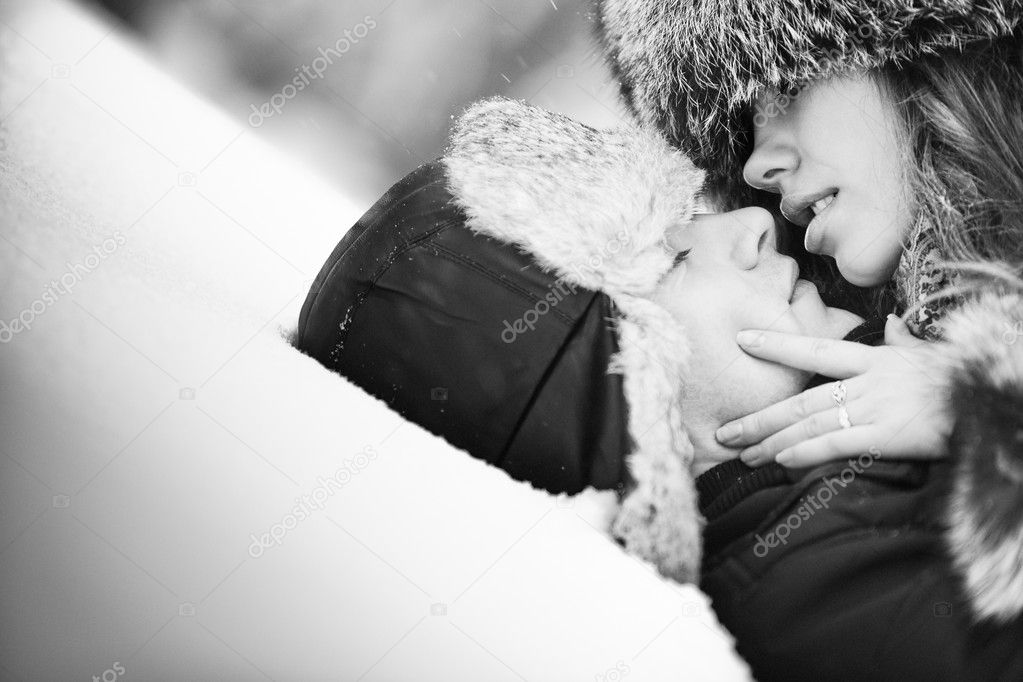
(893, 133)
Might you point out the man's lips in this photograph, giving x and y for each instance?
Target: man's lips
(793, 277)
(796, 207)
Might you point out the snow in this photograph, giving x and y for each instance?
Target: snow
(184, 496)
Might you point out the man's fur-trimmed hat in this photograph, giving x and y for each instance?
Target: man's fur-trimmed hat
(525, 205)
(694, 68)
(563, 192)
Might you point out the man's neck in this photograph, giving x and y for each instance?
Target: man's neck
(701, 428)
(708, 453)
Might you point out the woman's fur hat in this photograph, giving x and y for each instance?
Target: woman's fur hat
(694, 68)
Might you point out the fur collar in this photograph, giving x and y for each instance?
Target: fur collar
(985, 509)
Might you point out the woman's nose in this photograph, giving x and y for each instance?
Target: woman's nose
(769, 164)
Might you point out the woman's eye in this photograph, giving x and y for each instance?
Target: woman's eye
(681, 256)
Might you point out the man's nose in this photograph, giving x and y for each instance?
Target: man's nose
(752, 235)
(769, 164)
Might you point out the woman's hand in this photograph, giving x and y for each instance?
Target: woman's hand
(896, 400)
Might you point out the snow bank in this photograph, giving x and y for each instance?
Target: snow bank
(184, 496)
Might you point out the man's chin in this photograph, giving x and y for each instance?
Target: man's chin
(766, 383)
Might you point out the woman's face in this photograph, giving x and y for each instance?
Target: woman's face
(733, 278)
(835, 154)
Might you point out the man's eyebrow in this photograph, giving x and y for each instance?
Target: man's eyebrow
(707, 201)
(702, 204)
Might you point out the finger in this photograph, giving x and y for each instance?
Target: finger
(858, 441)
(813, 426)
(756, 427)
(896, 333)
(830, 357)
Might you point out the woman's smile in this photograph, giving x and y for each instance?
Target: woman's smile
(842, 132)
(813, 241)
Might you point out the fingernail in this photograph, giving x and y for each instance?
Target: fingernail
(750, 339)
(784, 458)
(728, 433)
(749, 456)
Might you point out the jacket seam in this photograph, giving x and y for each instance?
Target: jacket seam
(371, 283)
(490, 274)
(360, 297)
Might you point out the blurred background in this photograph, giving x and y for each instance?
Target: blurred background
(364, 90)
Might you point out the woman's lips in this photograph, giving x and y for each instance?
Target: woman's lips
(799, 208)
(815, 231)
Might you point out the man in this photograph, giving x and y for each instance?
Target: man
(557, 301)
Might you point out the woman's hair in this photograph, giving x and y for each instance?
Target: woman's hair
(963, 115)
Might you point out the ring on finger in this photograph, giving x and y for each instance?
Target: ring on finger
(838, 393)
(843, 417)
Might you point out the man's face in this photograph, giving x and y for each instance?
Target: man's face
(733, 279)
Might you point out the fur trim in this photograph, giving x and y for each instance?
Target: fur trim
(692, 68)
(594, 207)
(985, 510)
(591, 205)
(659, 518)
